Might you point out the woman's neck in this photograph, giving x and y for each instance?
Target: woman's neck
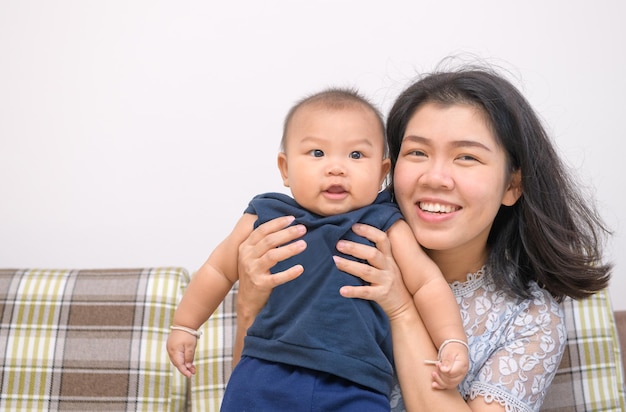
(455, 265)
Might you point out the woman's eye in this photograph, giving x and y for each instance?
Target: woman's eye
(416, 153)
(317, 153)
(468, 158)
(356, 155)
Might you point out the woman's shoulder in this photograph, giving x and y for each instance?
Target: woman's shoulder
(542, 313)
(482, 301)
(540, 308)
(481, 284)
(510, 337)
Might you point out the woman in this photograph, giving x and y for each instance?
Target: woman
(487, 197)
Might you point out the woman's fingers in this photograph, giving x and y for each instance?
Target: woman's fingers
(275, 233)
(364, 271)
(386, 286)
(374, 256)
(267, 245)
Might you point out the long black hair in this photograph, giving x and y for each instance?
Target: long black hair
(552, 234)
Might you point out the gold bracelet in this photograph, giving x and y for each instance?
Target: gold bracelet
(196, 333)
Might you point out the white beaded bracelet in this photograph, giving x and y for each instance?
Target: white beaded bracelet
(196, 333)
(445, 342)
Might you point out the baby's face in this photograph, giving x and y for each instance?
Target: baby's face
(333, 160)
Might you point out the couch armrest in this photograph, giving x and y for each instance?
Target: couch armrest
(89, 339)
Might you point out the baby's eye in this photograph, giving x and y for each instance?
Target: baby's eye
(317, 153)
(356, 155)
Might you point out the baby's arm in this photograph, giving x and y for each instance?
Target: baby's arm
(436, 305)
(205, 292)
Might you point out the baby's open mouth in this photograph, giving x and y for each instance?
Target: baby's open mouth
(336, 189)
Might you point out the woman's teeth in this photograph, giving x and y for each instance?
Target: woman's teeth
(436, 208)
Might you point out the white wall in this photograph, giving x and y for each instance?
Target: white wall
(133, 133)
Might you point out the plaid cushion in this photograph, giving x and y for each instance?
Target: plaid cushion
(89, 340)
(590, 376)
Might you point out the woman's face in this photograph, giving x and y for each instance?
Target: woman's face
(450, 180)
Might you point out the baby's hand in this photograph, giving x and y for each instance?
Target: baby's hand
(452, 365)
(181, 347)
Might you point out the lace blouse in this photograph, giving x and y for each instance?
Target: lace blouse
(515, 344)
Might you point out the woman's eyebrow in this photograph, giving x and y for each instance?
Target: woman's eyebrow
(470, 143)
(417, 139)
(455, 143)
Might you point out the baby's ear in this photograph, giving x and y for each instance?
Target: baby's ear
(283, 167)
(514, 189)
(384, 171)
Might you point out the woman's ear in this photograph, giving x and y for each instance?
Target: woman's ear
(283, 167)
(514, 190)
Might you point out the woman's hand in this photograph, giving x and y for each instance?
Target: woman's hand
(383, 275)
(267, 245)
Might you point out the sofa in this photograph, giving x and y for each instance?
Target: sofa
(94, 340)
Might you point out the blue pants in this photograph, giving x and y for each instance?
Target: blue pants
(258, 385)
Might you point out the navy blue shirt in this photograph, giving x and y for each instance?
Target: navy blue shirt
(306, 322)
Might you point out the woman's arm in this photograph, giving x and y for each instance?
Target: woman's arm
(435, 303)
(270, 243)
(411, 342)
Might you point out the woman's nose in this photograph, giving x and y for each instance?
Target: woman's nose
(437, 176)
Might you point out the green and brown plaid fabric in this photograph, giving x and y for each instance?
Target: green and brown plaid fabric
(89, 340)
(95, 340)
(590, 376)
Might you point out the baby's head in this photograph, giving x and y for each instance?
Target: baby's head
(338, 99)
(333, 152)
